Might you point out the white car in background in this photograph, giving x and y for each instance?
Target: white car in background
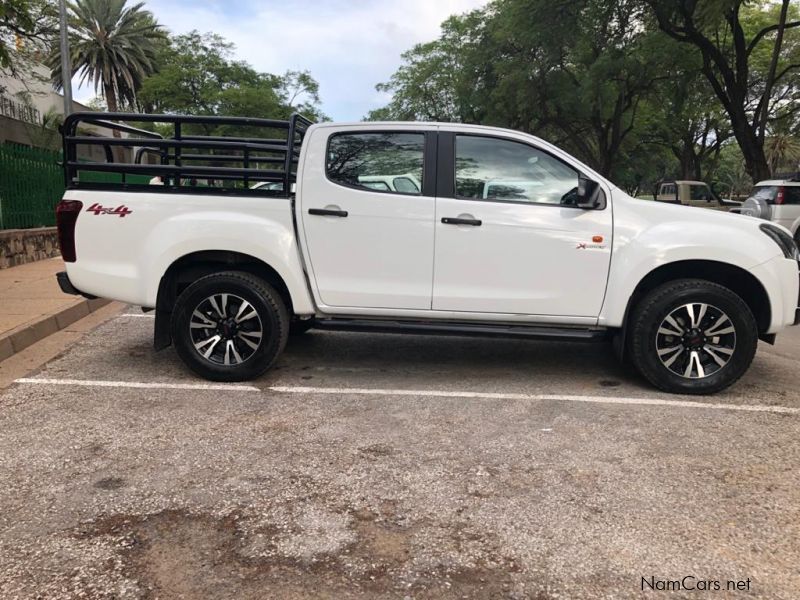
(406, 183)
(776, 200)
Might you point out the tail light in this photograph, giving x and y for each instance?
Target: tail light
(779, 196)
(66, 216)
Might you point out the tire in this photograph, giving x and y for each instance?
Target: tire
(690, 362)
(299, 327)
(248, 326)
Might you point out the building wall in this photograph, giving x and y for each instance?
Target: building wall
(20, 246)
(23, 103)
(36, 86)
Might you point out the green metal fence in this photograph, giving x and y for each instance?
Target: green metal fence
(31, 184)
(105, 177)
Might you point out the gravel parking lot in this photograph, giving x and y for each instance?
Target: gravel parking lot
(395, 466)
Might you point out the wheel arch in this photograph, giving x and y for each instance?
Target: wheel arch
(190, 267)
(740, 281)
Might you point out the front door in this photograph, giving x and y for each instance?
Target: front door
(508, 239)
(368, 220)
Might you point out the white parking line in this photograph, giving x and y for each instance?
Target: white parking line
(537, 397)
(138, 384)
(138, 316)
(417, 393)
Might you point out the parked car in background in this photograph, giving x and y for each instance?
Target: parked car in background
(776, 200)
(693, 193)
(404, 184)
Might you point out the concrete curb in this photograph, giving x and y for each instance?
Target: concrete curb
(25, 335)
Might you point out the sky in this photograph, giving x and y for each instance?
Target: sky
(348, 45)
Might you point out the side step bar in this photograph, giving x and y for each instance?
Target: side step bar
(501, 330)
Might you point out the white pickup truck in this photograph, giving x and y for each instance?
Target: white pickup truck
(472, 230)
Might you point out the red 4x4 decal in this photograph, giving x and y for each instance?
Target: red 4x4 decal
(99, 209)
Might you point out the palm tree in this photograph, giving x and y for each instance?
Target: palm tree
(112, 45)
(782, 149)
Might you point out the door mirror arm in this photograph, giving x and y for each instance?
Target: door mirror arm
(589, 193)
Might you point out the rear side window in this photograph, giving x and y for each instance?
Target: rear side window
(667, 189)
(385, 162)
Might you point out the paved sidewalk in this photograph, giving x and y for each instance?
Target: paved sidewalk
(32, 306)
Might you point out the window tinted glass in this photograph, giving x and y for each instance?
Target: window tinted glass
(791, 194)
(374, 185)
(699, 192)
(491, 168)
(767, 192)
(405, 185)
(376, 160)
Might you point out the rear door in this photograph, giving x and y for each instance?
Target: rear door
(518, 248)
(368, 214)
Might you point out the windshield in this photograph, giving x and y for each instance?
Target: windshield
(765, 193)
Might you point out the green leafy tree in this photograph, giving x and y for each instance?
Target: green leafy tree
(783, 152)
(45, 134)
(436, 80)
(113, 45)
(685, 116)
(198, 75)
(749, 54)
(25, 28)
(731, 179)
(300, 91)
(573, 71)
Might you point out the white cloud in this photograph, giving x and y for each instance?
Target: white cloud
(348, 45)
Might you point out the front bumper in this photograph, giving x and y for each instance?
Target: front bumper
(66, 286)
(781, 281)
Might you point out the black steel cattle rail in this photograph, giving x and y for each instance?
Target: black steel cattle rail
(241, 162)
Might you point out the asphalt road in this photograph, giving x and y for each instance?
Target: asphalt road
(395, 466)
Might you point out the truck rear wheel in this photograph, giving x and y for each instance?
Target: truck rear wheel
(692, 337)
(229, 326)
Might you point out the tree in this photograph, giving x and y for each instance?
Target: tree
(300, 91)
(199, 76)
(731, 179)
(783, 151)
(113, 45)
(730, 49)
(436, 80)
(573, 71)
(21, 21)
(683, 115)
(46, 134)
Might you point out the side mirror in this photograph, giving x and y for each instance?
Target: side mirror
(588, 193)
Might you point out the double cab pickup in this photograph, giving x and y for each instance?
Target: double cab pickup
(240, 232)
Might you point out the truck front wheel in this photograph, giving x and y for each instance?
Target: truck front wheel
(692, 336)
(229, 326)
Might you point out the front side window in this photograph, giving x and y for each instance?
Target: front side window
(497, 169)
(699, 192)
(386, 162)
